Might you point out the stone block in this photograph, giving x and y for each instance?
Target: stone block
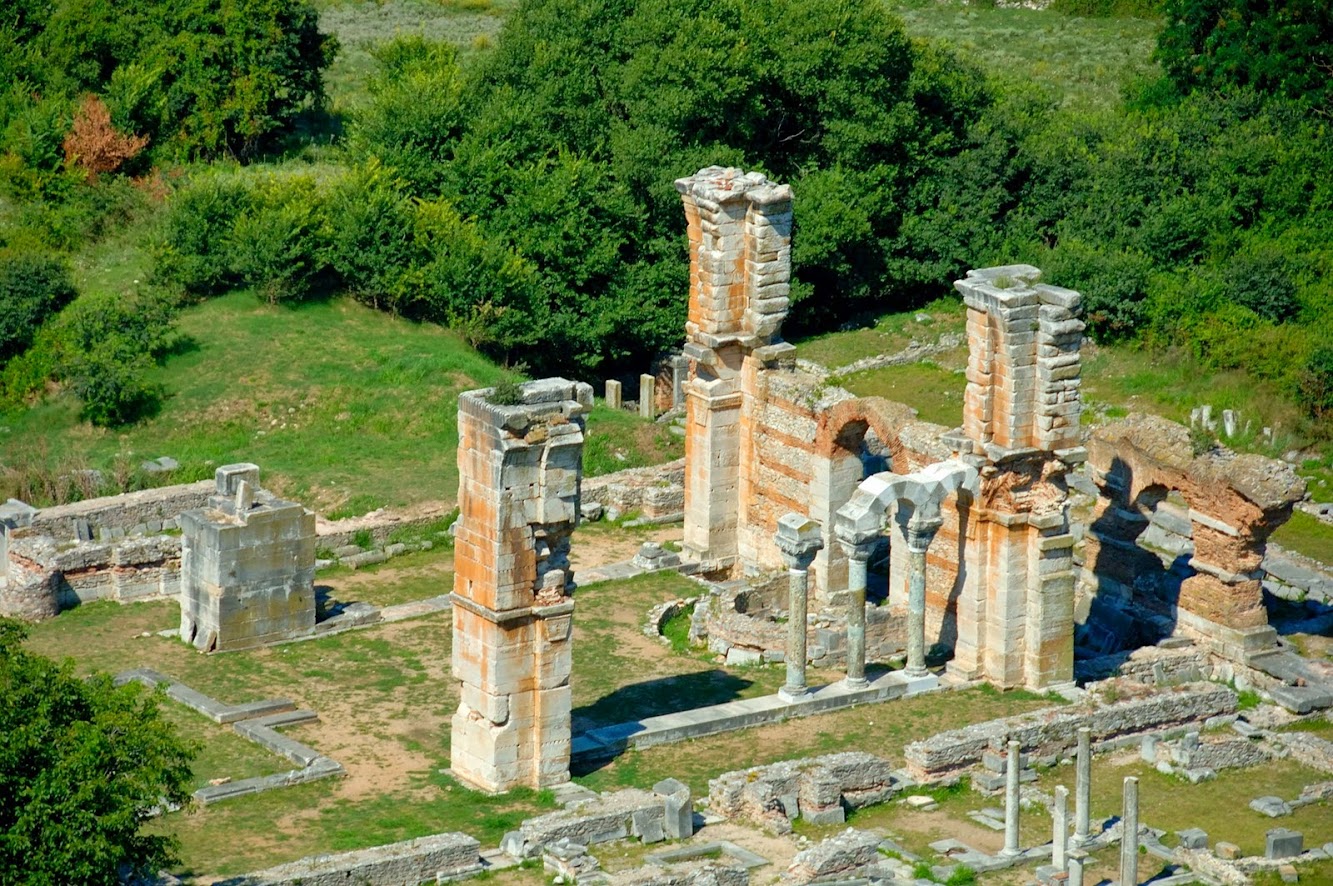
(1273, 807)
(647, 827)
(1283, 843)
(1227, 851)
(1193, 838)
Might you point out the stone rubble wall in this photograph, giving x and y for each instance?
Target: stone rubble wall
(1296, 578)
(1055, 730)
(1149, 666)
(657, 491)
(46, 577)
(841, 854)
(435, 858)
(1181, 534)
(612, 816)
(705, 873)
(817, 789)
(1218, 753)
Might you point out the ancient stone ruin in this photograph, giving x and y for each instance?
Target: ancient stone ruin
(520, 464)
(247, 566)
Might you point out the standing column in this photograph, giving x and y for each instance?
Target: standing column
(1060, 835)
(921, 529)
(1077, 857)
(1083, 786)
(858, 555)
(1129, 837)
(798, 539)
(1011, 808)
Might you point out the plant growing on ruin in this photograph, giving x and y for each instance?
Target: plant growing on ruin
(506, 393)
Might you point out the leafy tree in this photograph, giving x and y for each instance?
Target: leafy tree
(82, 765)
(33, 286)
(1274, 46)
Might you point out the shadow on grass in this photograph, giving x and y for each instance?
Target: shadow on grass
(666, 695)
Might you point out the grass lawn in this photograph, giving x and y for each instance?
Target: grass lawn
(888, 334)
(934, 391)
(219, 751)
(1306, 535)
(345, 408)
(1220, 807)
(1081, 61)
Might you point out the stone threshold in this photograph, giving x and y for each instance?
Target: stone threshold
(608, 742)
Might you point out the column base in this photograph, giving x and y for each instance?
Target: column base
(914, 673)
(855, 682)
(1010, 853)
(794, 695)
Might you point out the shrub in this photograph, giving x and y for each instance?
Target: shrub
(276, 243)
(94, 145)
(193, 249)
(370, 246)
(33, 286)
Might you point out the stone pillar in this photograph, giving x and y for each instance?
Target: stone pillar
(1083, 786)
(680, 370)
(520, 468)
(247, 567)
(1129, 835)
(1060, 828)
(858, 555)
(1013, 764)
(921, 529)
(648, 396)
(613, 394)
(799, 540)
(739, 227)
(1077, 859)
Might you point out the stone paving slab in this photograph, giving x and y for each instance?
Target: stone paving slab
(727, 848)
(610, 741)
(217, 711)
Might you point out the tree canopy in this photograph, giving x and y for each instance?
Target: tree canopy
(82, 764)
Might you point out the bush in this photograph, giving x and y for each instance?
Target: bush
(104, 347)
(370, 246)
(193, 249)
(277, 242)
(33, 286)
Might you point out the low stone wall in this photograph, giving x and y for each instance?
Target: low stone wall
(46, 577)
(818, 789)
(436, 858)
(706, 873)
(116, 516)
(1297, 578)
(843, 854)
(1149, 665)
(612, 816)
(1055, 730)
(657, 491)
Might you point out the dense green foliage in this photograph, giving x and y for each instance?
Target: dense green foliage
(1284, 47)
(32, 287)
(82, 765)
(196, 77)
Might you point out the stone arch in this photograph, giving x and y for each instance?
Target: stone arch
(838, 466)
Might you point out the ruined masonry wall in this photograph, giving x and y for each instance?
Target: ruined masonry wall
(1055, 730)
(45, 578)
(133, 513)
(411, 861)
(520, 468)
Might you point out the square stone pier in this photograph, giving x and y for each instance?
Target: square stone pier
(520, 464)
(247, 567)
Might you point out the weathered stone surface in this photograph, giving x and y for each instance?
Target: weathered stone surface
(843, 853)
(247, 567)
(520, 469)
(1283, 843)
(1057, 728)
(596, 821)
(821, 784)
(701, 873)
(408, 863)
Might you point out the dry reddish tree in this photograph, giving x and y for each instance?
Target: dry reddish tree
(94, 145)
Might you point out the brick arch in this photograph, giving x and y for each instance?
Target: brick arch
(850, 419)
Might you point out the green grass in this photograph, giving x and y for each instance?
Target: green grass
(934, 392)
(219, 751)
(888, 334)
(618, 439)
(1308, 535)
(1080, 61)
(345, 408)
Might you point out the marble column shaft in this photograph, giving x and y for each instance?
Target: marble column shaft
(1060, 828)
(856, 620)
(920, 533)
(1083, 786)
(1129, 837)
(1011, 805)
(1077, 858)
